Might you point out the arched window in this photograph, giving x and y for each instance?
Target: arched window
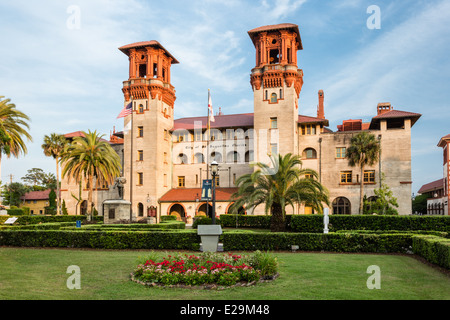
(216, 156)
(309, 153)
(140, 209)
(273, 98)
(341, 205)
(199, 158)
(233, 157)
(249, 156)
(182, 159)
(141, 108)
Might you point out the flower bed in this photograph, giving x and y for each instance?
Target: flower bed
(206, 269)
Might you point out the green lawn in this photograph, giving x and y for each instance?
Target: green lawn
(33, 274)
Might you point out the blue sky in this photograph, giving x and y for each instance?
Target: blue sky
(68, 79)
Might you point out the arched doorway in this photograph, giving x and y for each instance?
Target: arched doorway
(83, 208)
(240, 210)
(341, 205)
(140, 209)
(201, 211)
(178, 211)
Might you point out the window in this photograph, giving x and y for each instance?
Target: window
(140, 155)
(308, 129)
(217, 180)
(369, 176)
(341, 205)
(346, 177)
(140, 178)
(216, 156)
(273, 148)
(309, 176)
(199, 158)
(273, 123)
(140, 132)
(182, 159)
(281, 93)
(181, 181)
(165, 180)
(266, 95)
(165, 157)
(340, 152)
(141, 108)
(233, 157)
(309, 153)
(198, 136)
(273, 98)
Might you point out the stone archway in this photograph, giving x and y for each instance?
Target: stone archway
(201, 210)
(177, 210)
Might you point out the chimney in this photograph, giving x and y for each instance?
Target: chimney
(383, 107)
(320, 110)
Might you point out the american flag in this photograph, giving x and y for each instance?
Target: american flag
(125, 111)
(210, 108)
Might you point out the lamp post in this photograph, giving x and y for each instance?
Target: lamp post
(214, 173)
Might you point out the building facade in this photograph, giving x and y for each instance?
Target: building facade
(165, 160)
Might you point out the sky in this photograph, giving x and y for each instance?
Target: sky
(60, 63)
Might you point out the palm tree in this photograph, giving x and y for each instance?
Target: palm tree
(13, 126)
(90, 157)
(53, 147)
(284, 184)
(363, 151)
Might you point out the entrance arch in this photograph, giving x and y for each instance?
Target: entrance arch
(177, 210)
(201, 210)
(341, 205)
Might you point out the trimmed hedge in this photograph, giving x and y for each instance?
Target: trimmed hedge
(335, 242)
(434, 249)
(101, 239)
(314, 223)
(44, 219)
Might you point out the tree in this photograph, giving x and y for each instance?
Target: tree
(12, 193)
(419, 204)
(90, 157)
(284, 184)
(39, 180)
(363, 151)
(385, 202)
(13, 127)
(53, 147)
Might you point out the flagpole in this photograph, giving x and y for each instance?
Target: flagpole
(131, 163)
(207, 152)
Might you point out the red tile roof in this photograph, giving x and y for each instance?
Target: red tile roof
(142, 44)
(252, 33)
(396, 114)
(222, 121)
(232, 120)
(435, 185)
(36, 195)
(191, 194)
(444, 140)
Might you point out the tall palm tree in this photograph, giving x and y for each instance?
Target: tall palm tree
(283, 184)
(90, 157)
(363, 151)
(53, 147)
(13, 126)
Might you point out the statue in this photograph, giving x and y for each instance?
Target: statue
(120, 181)
(325, 220)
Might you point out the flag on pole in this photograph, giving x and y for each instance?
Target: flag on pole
(125, 111)
(210, 108)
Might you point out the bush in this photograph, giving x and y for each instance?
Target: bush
(434, 249)
(15, 212)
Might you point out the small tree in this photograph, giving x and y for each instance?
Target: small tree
(64, 208)
(385, 202)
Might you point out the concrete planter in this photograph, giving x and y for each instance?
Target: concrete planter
(209, 236)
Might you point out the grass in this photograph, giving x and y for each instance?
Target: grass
(35, 274)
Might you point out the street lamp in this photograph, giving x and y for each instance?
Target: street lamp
(214, 172)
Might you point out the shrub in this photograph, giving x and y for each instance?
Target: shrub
(434, 249)
(15, 212)
(224, 269)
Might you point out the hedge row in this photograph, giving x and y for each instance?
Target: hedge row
(434, 249)
(314, 223)
(45, 219)
(101, 239)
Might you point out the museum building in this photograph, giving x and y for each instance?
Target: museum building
(165, 160)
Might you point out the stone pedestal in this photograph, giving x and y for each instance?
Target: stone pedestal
(116, 211)
(209, 236)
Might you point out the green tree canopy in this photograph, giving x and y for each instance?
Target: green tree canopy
(364, 151)
(90, 157)
(278, 186)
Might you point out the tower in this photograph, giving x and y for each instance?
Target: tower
(147, 145)
(276, 82)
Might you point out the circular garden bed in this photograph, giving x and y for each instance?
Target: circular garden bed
(206, 270)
